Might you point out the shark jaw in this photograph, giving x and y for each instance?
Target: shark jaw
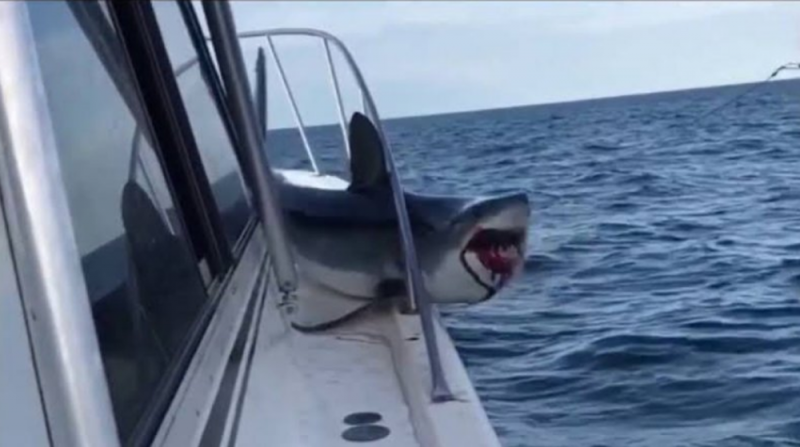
(492, 256)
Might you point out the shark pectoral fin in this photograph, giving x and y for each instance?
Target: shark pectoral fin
(367, 158)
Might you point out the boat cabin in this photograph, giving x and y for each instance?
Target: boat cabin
(148, 285)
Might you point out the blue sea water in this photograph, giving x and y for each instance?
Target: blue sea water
(660, 300)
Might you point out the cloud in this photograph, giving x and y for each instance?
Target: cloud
(422, 57)
(370, 18)
(620, 16)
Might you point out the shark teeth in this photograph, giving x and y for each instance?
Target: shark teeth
(499, 251)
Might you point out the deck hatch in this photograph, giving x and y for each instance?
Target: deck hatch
(365, 433)
(362, 418)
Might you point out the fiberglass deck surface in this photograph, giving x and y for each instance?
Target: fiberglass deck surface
(302, 386)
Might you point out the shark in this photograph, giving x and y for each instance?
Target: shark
(346, 241)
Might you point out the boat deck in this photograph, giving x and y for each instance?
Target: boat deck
(302, 388)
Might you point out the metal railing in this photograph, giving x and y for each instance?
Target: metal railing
(74, 390)
(243, 112)
(418, 298)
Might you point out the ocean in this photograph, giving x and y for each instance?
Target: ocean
(660, 299)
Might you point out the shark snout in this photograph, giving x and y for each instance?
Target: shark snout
(509, 211)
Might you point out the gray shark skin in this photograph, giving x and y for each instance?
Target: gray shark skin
(346, 236)
(349, 242)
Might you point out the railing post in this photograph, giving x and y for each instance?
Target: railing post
(74, 389)
(231, 65)
(419, 297)
(338, 93)
(419, 294)
(295, 110)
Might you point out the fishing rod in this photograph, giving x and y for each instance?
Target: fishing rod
(751, 88)
(746, 91)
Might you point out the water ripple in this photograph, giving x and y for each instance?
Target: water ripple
(659, 303)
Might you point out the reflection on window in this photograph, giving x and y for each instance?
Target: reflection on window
(214, 144)
(146, 293)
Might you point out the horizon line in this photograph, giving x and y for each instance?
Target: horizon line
(589, 99)
(554, 103)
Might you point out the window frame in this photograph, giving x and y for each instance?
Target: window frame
(176, 146)
(144, 48)
(211, 74)
(209, 71)
(212, 78)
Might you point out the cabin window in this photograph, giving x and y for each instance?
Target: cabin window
(213, 141)
(146, 293)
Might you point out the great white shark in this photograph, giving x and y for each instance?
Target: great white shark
(346, 240)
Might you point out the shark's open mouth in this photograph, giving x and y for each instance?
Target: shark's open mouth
(499, 251)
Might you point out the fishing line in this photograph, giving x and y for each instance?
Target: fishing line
(746, 91)
(750, 89)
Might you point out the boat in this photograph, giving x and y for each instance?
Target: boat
(165, 284)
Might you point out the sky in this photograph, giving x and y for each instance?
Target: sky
(433, 57)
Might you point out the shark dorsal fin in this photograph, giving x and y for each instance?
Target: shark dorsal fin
(367, 162)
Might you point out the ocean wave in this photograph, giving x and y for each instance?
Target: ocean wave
(660, 295)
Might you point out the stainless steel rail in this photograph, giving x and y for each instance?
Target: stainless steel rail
(338, 93)
(232, 69)
(137, 132)
(60, 325)
(295, 111)
(136, 161)
(418, 298)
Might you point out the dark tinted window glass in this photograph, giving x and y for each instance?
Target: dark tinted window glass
(145, 290)
(216, 149)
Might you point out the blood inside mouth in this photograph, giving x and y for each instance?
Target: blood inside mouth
(499, 251)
